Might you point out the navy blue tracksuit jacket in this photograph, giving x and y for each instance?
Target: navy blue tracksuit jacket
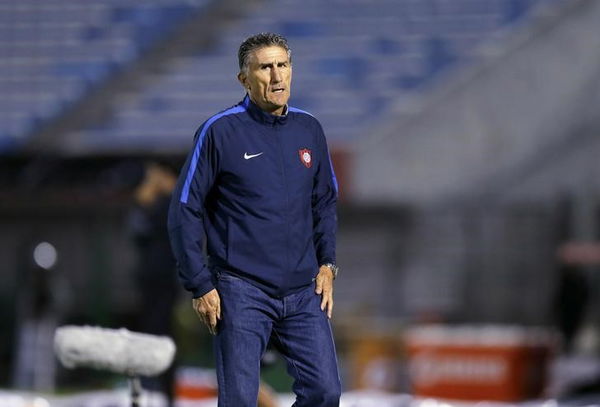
(263, 189)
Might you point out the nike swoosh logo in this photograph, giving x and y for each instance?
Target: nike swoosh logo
(249, 156)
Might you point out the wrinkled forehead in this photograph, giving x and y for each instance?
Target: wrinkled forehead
(268, 54)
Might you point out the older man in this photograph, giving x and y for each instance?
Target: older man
(259, 182)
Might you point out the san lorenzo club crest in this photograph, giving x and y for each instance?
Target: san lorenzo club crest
(305, 157)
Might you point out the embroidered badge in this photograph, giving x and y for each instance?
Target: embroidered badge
(305, 157)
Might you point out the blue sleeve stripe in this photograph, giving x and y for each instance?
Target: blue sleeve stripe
(333, 177)
(196, 156)
(295, 110)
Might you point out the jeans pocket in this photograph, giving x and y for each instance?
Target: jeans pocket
(225, 276)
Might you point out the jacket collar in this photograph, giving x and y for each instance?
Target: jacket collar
(261, 116)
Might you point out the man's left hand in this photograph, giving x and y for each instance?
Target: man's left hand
(324, 287)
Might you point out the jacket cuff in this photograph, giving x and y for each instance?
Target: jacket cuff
(326, 259)
(202, 289)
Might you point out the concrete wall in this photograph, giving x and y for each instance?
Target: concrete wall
(531, 91)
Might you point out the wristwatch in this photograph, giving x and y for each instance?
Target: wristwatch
(334, 269)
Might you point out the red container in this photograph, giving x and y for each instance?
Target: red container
(498, 363)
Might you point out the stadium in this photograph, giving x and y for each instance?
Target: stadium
(464, 135)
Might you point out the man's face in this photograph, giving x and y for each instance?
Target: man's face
(268, 78)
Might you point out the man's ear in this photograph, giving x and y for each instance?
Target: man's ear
(242, 79)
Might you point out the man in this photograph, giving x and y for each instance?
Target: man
(259, 182)
(155, 264)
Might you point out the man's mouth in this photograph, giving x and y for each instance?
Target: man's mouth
(278, 90)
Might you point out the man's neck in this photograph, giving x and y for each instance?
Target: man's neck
(280, 111)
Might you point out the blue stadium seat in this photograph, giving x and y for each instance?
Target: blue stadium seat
(352, 59)
(65, 47)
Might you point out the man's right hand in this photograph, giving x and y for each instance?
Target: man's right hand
(208, 308)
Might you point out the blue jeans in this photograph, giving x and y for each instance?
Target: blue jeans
(297, 328)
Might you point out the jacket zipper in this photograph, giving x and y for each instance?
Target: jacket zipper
(287, 206)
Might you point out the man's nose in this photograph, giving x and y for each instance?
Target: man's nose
(275, 75)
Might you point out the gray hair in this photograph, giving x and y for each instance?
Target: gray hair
(258, 41)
